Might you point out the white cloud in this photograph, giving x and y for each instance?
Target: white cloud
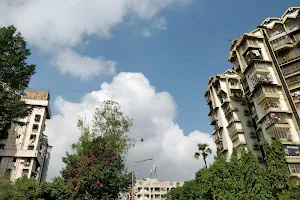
(52, 25)
(69, 61)
(153, 116)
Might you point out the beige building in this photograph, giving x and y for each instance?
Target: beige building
(152, 188)
(26, 151)
(266, 100)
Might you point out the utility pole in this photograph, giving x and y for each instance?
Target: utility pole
(132, 175)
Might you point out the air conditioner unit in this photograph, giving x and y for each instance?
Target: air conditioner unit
(249, 123)
(289, 136)
(255, 146)
(243, 102)
(246, 112)
(252, 134)
(27, 163)
(260, 159)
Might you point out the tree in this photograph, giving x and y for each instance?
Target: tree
(277, 171)
(203, 150)
(15, 75)
(97, 167)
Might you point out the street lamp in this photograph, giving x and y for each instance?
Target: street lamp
(132, 176)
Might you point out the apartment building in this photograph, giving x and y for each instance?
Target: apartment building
(152, 188)
(26, 151)
(266, 67)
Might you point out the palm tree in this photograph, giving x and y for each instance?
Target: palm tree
(204, 150)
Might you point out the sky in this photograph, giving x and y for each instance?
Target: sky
(154, 57)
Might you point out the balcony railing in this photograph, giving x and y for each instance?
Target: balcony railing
(213, 118)
(280, 42)
(294, 168)
(276, 120)
(280, 133)
(297, 37)
(249, 43)
(217, 136)
(253, 55)
(289, 56)
(259, 78)
(293, 79)
(286, 70)
(293, 25)
(233, 128)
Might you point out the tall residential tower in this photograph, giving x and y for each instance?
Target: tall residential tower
(266, 101)
(26, 151)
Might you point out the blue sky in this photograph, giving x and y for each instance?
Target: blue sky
(81, 49)
(179, 60)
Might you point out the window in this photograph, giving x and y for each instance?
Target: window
(30, 147)
(35, 128)
(32, 138)
(25, 172)
(14, 159)
(2, 146)
(37, 118)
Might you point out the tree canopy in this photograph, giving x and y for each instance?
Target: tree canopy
(15, 75)
(242, 178)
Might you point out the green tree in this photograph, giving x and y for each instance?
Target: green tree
(277, 171)
(97, 167)
(203, 150)
(15, 75)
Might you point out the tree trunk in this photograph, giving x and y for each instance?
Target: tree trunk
(205, 162)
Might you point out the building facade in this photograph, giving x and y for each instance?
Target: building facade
(152, 188)
(26, 150)
(266, 101)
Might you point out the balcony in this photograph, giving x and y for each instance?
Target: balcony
(289, 56)
(289, 70)
(296, 96)
(293, 80)
(249, 44)
(297, 38)
(266, 95)
(252, 56)
(275, 120)
(208, 99)
(237, 141)
(292, 153)
(217, 136)
(270, 105)
(227, 108)
(282, 43)
(282, 133)
(234, 128)
(261, 78)
(294, 168)
(213, 118)
(293, 25)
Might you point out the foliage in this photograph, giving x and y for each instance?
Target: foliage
(15, 74)
(97, 167)
(203, 150)
(242, 178)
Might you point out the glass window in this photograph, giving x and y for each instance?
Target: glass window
(30, 147)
